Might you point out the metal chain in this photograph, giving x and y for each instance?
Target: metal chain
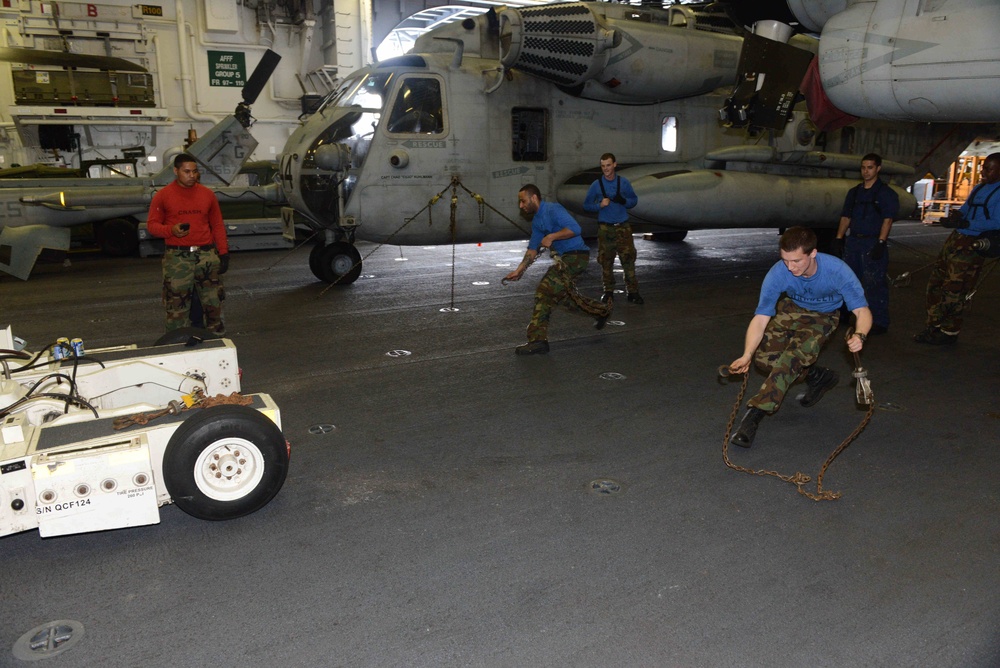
(175, 407)
(483, 203)
(982, 279)
(904, 279)
(456, 183)
(799, 479)
(292, 250)
(453, 228)
(406, 221)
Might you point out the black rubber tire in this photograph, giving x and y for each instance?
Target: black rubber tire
(184, 335)
(118, 237)
(250, 445)
(673, 236)
(314, 260)
(339, 262)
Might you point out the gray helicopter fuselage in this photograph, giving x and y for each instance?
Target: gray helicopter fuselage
(402, 152)
(485, 144)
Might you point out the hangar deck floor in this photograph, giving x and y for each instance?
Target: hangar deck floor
(449, 518)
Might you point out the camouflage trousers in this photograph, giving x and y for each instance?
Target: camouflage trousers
(184, 272)
(791, 344)
(613, 239)
(954, 275)
(558, 286)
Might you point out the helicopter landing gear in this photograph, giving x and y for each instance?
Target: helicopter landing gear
(673, 236)
(339, 262)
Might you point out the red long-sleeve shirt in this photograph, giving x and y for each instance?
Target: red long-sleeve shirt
(196, 206)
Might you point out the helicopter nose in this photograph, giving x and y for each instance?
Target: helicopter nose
(333, 157)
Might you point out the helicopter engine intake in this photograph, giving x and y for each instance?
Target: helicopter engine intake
(619, 55)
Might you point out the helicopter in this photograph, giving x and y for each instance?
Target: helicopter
(706, 120)
(38, 213)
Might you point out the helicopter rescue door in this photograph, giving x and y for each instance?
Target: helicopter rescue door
(409, 153)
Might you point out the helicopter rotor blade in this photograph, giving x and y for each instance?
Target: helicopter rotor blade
(263, 71)
(13, 54)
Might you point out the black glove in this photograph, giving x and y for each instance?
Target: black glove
(224, 263)
(618, 199)
(878, 251)
(955, 221)
(837, 247)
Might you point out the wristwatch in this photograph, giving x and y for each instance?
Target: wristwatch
(863, 337)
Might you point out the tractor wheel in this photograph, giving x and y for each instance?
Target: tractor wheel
(225, 462)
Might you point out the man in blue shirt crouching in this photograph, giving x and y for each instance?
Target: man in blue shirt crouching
(788, 330)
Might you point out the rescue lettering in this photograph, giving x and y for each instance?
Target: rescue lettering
(424, 143)
(513, 171)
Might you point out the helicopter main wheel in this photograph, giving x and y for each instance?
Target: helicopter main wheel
(670, 237)
(340, 262)
(117, 237)
(314, 261)
(225, 462)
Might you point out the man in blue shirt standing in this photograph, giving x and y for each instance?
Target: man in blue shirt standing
(553, 227)
(869, 209)
(798, 311)
(958, 264)
(611, 196)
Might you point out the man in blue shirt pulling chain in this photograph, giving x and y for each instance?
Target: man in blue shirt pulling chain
(553, 227)
(959, 263)
(798, 311)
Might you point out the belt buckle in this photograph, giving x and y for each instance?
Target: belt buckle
(194, 249)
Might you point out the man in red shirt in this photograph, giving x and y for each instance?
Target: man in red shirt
(186, 215)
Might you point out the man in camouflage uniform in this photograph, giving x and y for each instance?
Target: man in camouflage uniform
(554, 228)
(787, 332)
(610, 197)
(186, 215)
(958, 264)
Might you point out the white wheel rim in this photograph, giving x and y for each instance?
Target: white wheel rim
(229, 469)
(342, 264)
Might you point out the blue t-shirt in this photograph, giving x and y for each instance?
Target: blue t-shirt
(550, 218)
(868, 207)
(613, 213)
(982, 209)
(832, 285)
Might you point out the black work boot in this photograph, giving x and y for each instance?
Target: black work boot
(935, 337)
(748, 427)
(532, 348)
(818, 381)
(635, 298)
(607, 296)
(601, 320)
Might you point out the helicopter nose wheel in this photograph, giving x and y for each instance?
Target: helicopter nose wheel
(339, 262)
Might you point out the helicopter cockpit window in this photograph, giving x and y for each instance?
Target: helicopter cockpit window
(528, 130)
(418, 108)
(369, 93)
